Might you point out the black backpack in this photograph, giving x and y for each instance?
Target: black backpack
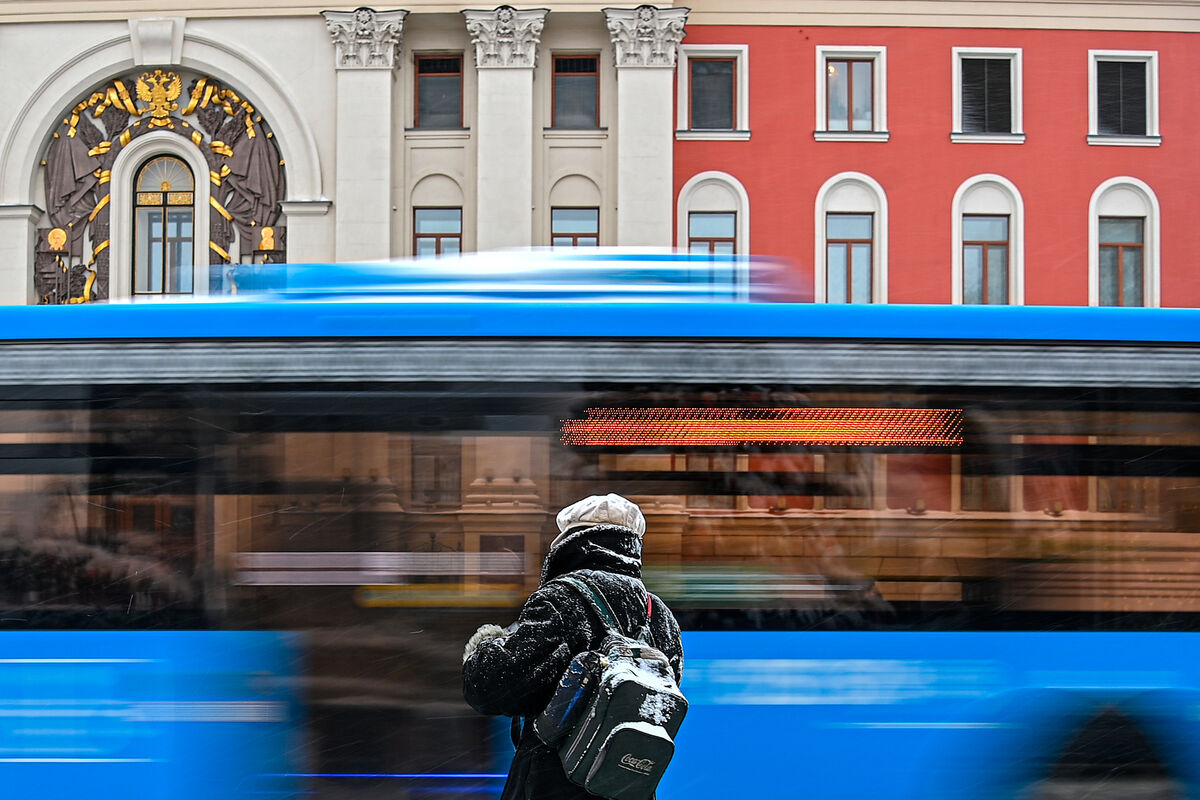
(615, 711)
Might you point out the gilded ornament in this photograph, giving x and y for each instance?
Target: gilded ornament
(56, 238)
(268, 239)
(160, 91)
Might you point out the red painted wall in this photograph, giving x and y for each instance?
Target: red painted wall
(1056, 171)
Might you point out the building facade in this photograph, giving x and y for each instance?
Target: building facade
(146, 154)
(998, 153)
(953, 153)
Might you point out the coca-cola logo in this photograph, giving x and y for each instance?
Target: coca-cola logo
(631, 762)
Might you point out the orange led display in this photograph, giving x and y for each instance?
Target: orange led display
(730, 427)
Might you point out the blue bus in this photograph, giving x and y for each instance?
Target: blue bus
(916, 551)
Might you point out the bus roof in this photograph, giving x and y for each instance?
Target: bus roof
(257, 318)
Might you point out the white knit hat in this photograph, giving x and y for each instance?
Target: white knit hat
(608, 509)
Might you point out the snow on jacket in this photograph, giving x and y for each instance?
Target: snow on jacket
(515, 674)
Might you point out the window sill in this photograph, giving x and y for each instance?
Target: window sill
(437, 133)
(852, 136)
(1124, 141)
(712, 136)
(574, 133)
(988, 138)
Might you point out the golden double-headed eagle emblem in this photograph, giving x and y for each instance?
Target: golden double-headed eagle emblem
(159, 91)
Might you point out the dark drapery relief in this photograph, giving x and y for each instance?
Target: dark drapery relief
(246, 176)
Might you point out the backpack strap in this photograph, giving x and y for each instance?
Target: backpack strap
(597, 601)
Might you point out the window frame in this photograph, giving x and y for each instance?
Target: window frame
(717, 192)
(1016, 134)
(574, 237)
(740, 55)
(554, 93)
(849, 244)
(416, 106)
(124, 173)
(1121, 248)
(712, 239)
(828, 202)
(878, 56)
(164, 205)
(1152, 138)
(1101, 206)
(437, 237)
(987, 244)
(1014, 208)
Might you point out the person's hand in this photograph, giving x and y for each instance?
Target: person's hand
(485, 634)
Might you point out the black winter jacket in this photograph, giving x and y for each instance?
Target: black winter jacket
(515, 675)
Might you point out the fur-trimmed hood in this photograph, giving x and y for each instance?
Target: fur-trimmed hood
(606, 548)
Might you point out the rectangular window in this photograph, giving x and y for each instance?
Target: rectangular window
(849, 480)
(713, 86)
(851, 97)
(576, 93)
(712, 92)
(712, 233)
(849, 94)
(985, 260)
(1122, 241)
(982, 491)
(439, 92)
(986, 95)
(436, 472)
(437, 231)
(849, 249)
(574, 227)
(1121, 98)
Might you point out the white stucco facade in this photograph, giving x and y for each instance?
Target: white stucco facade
(336, 94)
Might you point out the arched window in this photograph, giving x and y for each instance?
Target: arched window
(163, 227)
(575, 210)
(1123, 244)
(437, 215)
(851, 237)
(989, 242)
(713, 218)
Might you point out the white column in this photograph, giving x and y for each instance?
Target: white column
(506, 42)
(18, 237)
(646, 40)
(308, 231)
(366, 43)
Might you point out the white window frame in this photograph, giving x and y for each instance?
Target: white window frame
(124, 171)
(879, 263)
(1016, 124)
(1151, 246)
(685, 203)
(741, 55)
(879, 130)
(1150, 59)
(1016, 236)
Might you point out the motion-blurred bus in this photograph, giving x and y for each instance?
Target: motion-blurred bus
(942, 552)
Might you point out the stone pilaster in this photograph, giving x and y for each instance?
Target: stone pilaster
(646, 42)
(506, 43)
(309, 237)
(18, 236)
(366, 45)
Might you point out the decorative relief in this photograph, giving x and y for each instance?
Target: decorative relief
(646, 36)
(246, 175)
(365, 38)
(506, 37)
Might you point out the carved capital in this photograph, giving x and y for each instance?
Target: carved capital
(646, 36)
(506, 37)
(365, 38)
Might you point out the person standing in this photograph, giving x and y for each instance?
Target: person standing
(513, 671)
